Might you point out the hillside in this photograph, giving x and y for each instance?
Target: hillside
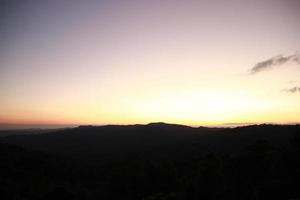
(152, 162)
(112, 143)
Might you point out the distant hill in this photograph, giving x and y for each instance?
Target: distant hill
(114, 143)
(9, 132)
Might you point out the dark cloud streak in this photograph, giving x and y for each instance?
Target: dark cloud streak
(275, 61)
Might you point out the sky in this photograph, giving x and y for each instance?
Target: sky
(193, 62)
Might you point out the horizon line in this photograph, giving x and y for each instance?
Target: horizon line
(20, 126)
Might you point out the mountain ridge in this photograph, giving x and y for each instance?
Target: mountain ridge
(110, 143)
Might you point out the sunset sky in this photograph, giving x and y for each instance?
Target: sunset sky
(200, 62)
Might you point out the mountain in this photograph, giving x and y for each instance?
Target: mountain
(157, 161)
(114, 143)
(9, 132)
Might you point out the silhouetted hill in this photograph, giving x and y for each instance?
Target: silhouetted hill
(4, 133)
(152, 162)
(113, 143)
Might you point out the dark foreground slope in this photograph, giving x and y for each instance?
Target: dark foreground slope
(33, 175)
(155, 161)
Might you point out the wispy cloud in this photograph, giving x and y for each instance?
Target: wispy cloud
(274, 61)
(292, 90)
